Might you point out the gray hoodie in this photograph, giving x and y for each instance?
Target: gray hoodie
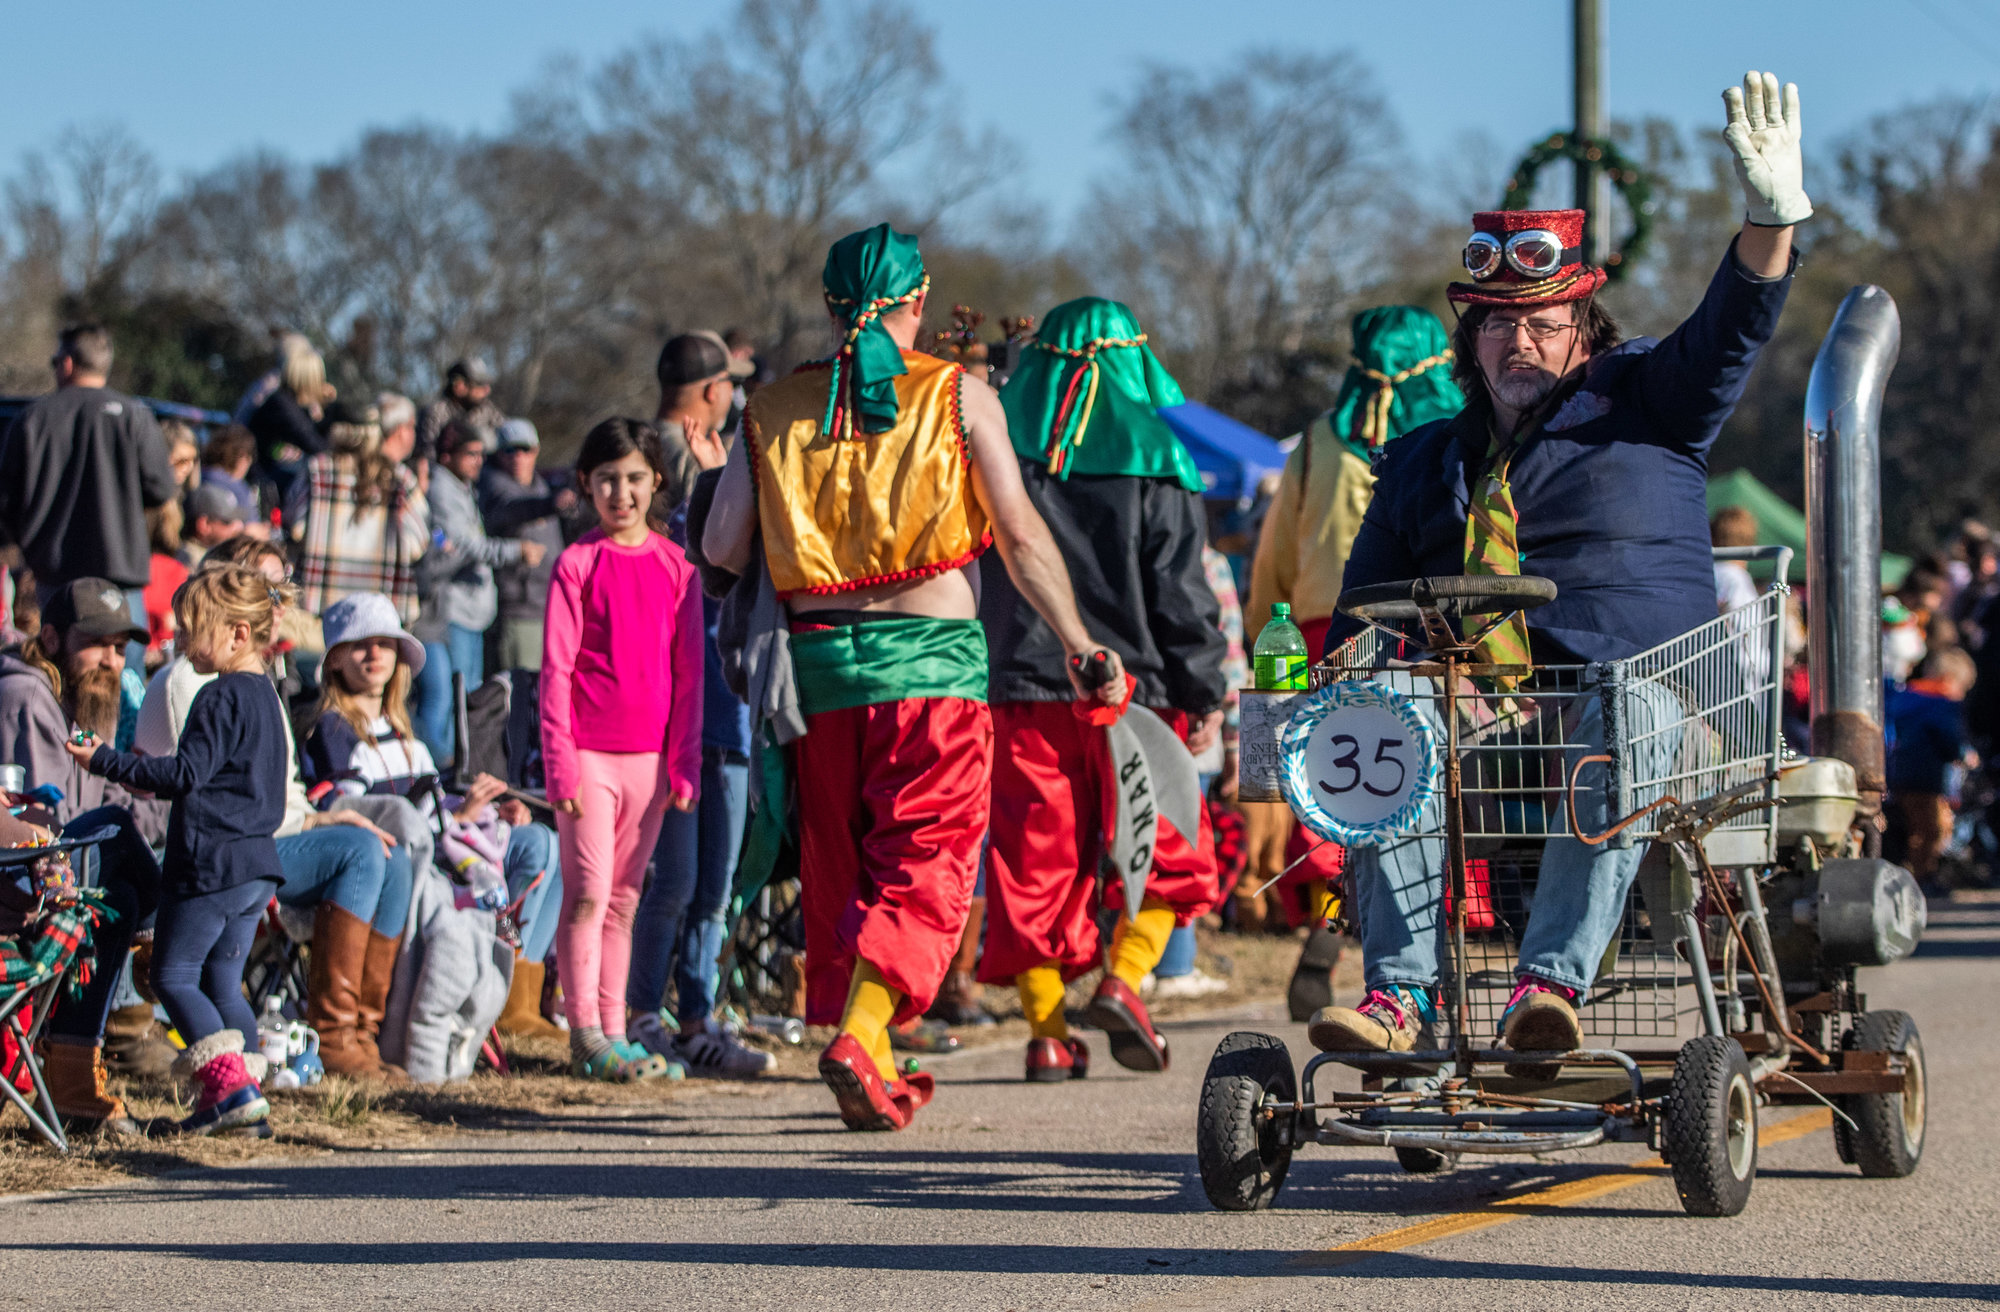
(33, 728)
(455, 577)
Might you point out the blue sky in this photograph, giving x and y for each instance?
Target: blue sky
(202, 80)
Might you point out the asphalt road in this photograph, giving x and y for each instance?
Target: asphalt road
(1076, 1196)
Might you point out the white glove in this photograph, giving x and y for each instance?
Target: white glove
(1763, 133)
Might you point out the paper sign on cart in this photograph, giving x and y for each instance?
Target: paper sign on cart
(1360, 763)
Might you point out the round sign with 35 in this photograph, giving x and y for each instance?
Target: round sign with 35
(1360, 763)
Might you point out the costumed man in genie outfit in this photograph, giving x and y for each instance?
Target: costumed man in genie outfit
(872, 482)
(1400, 380)
(1583, 460)
(1123, 499)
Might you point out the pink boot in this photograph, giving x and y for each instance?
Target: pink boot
(229, 1098)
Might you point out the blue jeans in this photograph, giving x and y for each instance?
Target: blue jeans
(125, 869)
(1178, 959)
(200, 947)
(347, 867)
(1579, 899)
(463, 651)
(532, 850)
(686, 902)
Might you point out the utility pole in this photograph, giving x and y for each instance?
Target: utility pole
(1593, 185)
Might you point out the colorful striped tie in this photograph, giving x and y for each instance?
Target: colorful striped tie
(1492, 547)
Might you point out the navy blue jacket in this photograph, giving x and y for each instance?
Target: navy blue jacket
(1611, 493)
(227, 781)
(1927, 735)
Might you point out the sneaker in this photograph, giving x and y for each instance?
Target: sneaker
(1540, 1017)
(1195, 984)
(1388, 1021)
(654, 1031)
(715, 1054)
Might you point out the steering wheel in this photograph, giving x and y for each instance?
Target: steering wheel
(1457, 597)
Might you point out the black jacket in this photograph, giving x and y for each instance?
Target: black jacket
(1133, 546)
(79, 469)
(280, 422)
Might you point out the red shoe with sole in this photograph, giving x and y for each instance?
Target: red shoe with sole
(913, 1091)
(1051, 1061)
(865, 1102)
(1116, 1010)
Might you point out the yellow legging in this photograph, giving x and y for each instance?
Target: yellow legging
(1138, 944)
(1041, 989)
(1324, 899)
(871, 1005)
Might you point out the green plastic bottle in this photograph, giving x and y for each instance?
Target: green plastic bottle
(1280, 657)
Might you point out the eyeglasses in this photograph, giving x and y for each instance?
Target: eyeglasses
(1535, 253)
(1503, 330)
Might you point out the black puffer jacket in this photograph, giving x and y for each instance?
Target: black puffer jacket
(1133, 546)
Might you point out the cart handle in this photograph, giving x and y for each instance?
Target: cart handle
(1576, 831)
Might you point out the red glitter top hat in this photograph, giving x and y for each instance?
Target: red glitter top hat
(1556, 256)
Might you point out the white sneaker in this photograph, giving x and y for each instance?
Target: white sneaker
(1196, 983)
(650, 1031)
(714, 1054)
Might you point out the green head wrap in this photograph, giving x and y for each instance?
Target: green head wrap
(1400, 378)
(867, 273)
(1087, 396)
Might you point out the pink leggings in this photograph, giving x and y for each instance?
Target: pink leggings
(604, 855)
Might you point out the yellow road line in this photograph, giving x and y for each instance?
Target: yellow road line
(1568, 1194)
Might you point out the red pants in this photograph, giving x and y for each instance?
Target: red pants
(892, 806)
(1052, 789)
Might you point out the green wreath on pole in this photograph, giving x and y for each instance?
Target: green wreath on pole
(1626, 176)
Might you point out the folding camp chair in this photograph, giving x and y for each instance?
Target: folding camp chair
(35, 966)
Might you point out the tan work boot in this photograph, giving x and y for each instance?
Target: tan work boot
(1386, 1022)
(76, 1075)
(135, 1044)
(1539, 1018)
(522, 1017)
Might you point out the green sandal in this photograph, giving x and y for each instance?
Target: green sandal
(608, 1066)
(647, 1065)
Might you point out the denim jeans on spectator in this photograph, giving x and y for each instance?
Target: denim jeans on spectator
(200, 948)
(346, 866)
(533, 850)
(463, 651)
(686, 903)
(1178, 959)
(1579, 899)
(125, 869)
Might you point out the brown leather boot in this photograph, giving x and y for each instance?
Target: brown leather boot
(76, 1074)
(339, 952)
(135, 1044)
(522, 1016)
(378, 969)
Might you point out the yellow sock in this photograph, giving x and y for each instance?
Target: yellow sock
(1139, 943)
(1041, 989)
(871, 1005)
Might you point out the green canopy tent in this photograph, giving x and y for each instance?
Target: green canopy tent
(1779, 524)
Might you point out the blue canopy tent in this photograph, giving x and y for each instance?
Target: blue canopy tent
(1232, 457)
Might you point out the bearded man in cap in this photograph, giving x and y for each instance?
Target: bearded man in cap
(1123, 498)
(874, 481)
(1583, 460)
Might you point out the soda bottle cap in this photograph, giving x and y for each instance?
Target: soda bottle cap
(1281, 610)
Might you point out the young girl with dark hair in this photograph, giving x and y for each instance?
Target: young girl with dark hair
(621, 731)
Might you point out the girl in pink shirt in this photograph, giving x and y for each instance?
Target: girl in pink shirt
(621, 731)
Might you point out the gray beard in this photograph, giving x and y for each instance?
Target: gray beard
(1523, 391)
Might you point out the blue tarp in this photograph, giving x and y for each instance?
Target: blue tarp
(1232, 457)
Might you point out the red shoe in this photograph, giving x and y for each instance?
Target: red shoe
(913, 1091)
(865, 1102)
(1116, 1010)
(1051, 1061)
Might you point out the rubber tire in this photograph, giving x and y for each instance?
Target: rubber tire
(1710, 1074)
(1879, 1143)
(1422, 1161)
(1243, 1163)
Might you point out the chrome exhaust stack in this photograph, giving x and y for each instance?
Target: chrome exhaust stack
(1843, 466)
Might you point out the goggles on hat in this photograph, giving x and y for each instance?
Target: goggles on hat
(1535, 253)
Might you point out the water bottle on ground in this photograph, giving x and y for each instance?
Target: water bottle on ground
(1280, 655)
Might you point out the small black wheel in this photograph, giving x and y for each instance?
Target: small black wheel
(1709, 1135)
(1422, 1161)
(1244, 1154)
(1887, 1138)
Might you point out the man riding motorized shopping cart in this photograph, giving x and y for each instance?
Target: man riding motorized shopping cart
(1583, 460)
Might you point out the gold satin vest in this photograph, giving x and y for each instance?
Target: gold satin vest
(881, 508)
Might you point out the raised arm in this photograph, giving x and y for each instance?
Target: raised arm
(1033, 561)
